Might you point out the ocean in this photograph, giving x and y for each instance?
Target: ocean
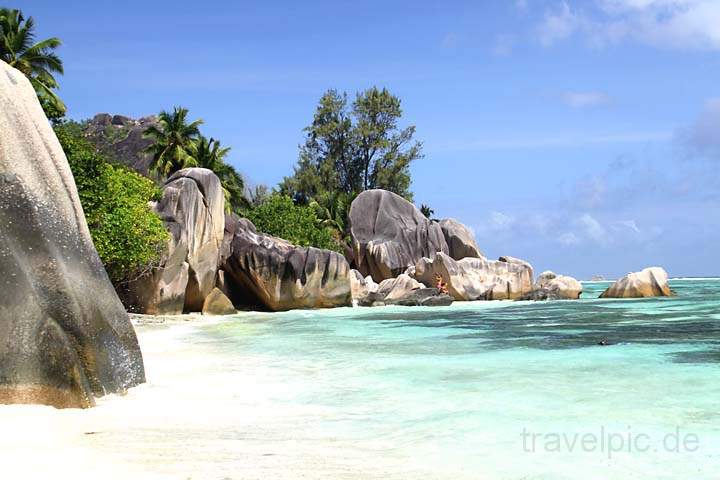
(481, 390)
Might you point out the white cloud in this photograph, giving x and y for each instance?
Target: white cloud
(500, 221)
(675, 24)
(630, 224)
(585, 99)
(568, 239)
(592, 228)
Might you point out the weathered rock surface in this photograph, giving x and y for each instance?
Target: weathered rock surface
(192, 208)
(651, 282)
(64, 335)
(550, 286)
(478, 278)
(122, 138)
(361, 288)
(389, 234)
(460, 240)
(217, 303)
(271, 272)
(402, 290)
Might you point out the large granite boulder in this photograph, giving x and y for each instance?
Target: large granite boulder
(217, 303)
(550, 286)
(651, 282)
(389, 234)
(361, 287)
(277, 275)
(477, 278)
(460, 240)
(64, 335)
(193, 209)
(122, 138)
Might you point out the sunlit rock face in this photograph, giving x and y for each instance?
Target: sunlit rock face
(650, 282)
(460, 240)
(390, 234)
(550, 286)
(64, 335)
(477, 278)
(274, 274)
(192, 208)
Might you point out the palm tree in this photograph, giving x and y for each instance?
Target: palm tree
(426, 210)
(37, 61)
(209, 154)
(173, 146)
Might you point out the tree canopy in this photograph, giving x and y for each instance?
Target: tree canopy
(353, 148)
(36, 60)
(173, 146)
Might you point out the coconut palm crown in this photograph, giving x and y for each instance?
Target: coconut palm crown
(174, 142)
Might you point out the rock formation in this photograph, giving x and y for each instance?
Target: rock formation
(389, 234)
(217, 303)
(271, 272)
(651, 282)
(402, 290)
(477, 278)
(122, 138)
(550, 286)
(192, 207)
(460, 240)
(64, 335)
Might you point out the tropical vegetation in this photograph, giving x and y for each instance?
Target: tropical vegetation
(128, 235)
(174, 142)
(37, 60)
(281, 217)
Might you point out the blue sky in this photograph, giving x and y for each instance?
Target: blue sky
(583, 136)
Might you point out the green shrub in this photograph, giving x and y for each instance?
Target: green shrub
(280, 217)
(127, 234)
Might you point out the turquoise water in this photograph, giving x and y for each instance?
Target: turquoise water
(483, 390)
(448, 392)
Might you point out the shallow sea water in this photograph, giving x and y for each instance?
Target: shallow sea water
(483, 390)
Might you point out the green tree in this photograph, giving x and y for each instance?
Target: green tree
(209, 154)
(174, 142)
(36, 60)
(127, 234)
(281, 217)
(354, 149)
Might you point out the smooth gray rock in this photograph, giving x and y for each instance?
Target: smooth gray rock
(389, 234)
(477, 278)
(271, 272)
(650, 282)
(460, 240)
(64, 335)
(217, 303)
(192, 208)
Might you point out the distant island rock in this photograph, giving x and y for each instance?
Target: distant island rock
(550, 286)
(65, 338)
(650, 282)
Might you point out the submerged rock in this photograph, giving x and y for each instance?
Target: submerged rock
(192, 207)
(550, 286)
(460, 240)
(478, 278)
(651, 282)
(390, 234)
(64, 335)
(272, 272)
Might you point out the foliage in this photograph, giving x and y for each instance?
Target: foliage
(281, 217)
(128, 235)
(209, 154)
(351, 150)
(426, 210)
(173, 146)
(36, 60)
(258, 195)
